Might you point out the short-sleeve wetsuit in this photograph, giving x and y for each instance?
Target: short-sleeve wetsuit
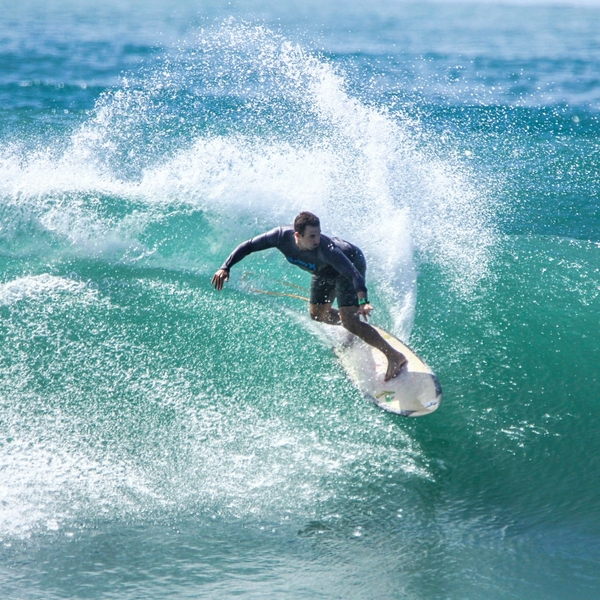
(338, 267)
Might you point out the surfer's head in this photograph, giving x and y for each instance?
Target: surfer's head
(307, 231)
(305, 219)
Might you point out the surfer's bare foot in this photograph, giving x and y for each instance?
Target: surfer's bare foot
(395, 364)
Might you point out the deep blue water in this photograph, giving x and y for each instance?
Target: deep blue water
(158, 439)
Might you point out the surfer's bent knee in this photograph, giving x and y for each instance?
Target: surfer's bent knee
(319, 312)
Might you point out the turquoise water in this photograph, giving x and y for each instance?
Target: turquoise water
(158, 439)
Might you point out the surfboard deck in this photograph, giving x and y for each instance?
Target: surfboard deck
(415, 392)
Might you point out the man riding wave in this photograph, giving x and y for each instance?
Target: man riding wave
(338, 273)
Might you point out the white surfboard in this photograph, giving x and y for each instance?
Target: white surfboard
(415, 392)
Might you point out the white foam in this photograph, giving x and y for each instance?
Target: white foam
(32, 286)
(52, 485)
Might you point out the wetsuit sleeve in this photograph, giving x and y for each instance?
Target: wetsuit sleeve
(256, 244)
(341, 263)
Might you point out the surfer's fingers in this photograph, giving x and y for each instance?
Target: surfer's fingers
(365, 310)
(219, 278)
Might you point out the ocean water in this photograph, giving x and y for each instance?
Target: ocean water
(161, 440)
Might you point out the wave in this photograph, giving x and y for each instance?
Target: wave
(249, 129)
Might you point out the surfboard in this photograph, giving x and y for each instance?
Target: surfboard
(415, 392)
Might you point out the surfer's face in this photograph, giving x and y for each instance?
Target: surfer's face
(311, 238)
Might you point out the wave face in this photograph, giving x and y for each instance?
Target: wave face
(156, 432)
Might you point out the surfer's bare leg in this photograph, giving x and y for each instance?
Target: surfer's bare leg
(325, 314)
(351, 321)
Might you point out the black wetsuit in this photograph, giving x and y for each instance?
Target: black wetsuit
(338, 267)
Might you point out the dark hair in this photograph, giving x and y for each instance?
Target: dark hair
(305, 219)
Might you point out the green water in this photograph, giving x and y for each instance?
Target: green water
(159, 439)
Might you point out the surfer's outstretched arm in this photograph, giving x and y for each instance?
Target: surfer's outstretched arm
(261, 242)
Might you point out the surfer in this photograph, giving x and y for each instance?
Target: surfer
(338, 271)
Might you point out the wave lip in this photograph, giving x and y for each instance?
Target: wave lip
(242, 124)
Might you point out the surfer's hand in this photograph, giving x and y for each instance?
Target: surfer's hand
(219, 278)
(364, 310)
